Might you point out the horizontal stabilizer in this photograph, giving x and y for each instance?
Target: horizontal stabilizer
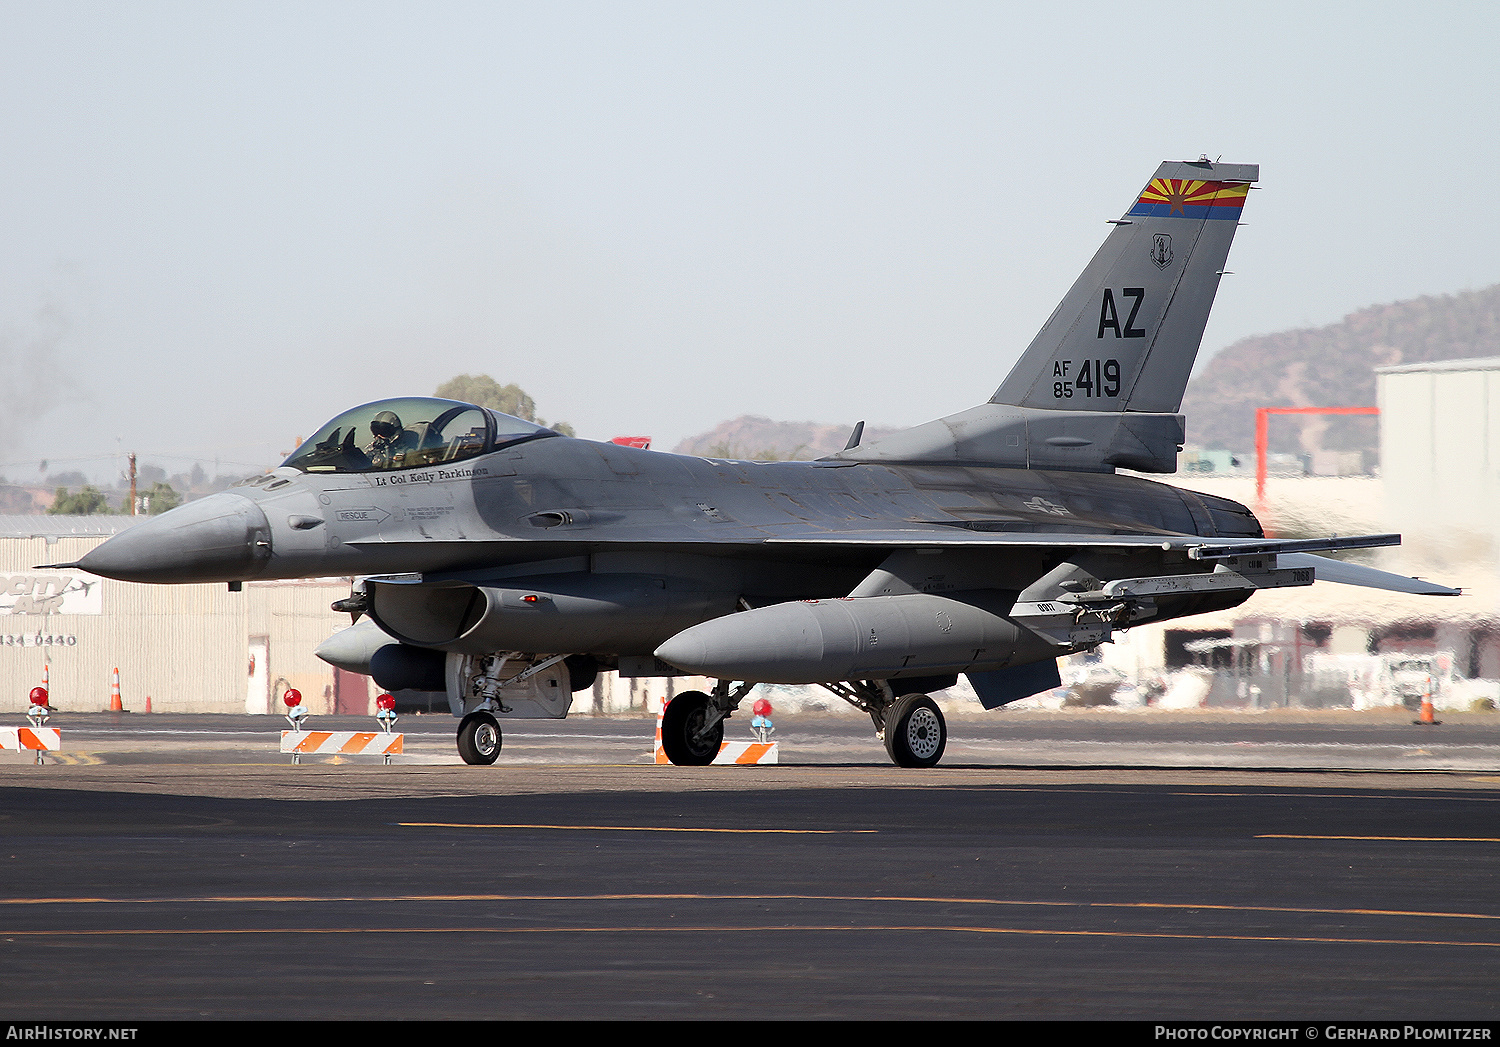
(1358, 574)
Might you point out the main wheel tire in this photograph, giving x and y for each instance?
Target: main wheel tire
(479, 738)
(915, 732)
(683, 738)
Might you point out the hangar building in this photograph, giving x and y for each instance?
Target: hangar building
(1440, 456)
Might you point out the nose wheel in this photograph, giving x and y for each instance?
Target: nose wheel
(915, 732)
(479, 738)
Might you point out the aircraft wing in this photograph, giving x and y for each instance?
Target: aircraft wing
(1230, 552)
(1204, 548)
(1290, 553)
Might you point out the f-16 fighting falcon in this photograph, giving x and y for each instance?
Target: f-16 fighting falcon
(507, 564)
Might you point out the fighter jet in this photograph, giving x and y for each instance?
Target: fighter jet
(506, 565)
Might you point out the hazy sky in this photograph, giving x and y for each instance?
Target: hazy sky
(221, 224)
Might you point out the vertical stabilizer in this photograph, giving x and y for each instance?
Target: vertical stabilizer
(1126, 335)
(1099, 387)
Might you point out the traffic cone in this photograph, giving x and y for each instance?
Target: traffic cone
(1427, 718)
(115, 705)
(661, 754)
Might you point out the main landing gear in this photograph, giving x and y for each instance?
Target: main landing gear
(912, 725)
(689, 735)
(692, 727)
(915, 732)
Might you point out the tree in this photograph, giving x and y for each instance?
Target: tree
(160, 497)
(484, 391)
(511, 399)
(89, 501)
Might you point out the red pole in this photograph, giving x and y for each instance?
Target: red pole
(1262, 427)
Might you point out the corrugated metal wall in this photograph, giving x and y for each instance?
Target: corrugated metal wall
(186, 646)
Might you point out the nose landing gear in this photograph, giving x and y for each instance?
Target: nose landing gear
(479, 738)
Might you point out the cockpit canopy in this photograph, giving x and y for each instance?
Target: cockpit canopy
(407, 433)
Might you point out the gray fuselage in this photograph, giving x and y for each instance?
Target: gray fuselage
(693, 538)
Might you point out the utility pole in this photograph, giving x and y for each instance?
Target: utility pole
(132, 483)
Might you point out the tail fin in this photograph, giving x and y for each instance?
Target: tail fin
(1126, 335)
(1100, 385)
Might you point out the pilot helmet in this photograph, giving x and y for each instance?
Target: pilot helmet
(386, 424)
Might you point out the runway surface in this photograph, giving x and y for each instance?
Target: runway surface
(1290, 739)
(178, 877)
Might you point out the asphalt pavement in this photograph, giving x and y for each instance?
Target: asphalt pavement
(179, 867)
(1285, 739)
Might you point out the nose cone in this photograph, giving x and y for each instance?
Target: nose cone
(221, 538)
(688, 651)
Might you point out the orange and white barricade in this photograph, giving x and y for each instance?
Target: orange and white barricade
(729, 752)
(31, 739)
(342, 743)
(299, 742)
(748, 752)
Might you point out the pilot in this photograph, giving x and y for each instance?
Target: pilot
(391, 442)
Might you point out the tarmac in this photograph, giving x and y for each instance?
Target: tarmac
(1285, 866)
(1283, 739)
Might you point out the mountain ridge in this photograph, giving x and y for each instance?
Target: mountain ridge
(1328, 366)
(1332, 366)
(757, 437)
